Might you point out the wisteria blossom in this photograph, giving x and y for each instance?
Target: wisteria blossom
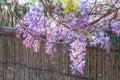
(69, 22)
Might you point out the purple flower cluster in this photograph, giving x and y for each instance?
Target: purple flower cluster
(77, 55)
(32, 28)
(65, 29)
(116, 27)
(99, 39)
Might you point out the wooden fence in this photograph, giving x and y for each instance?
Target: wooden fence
(19, 63)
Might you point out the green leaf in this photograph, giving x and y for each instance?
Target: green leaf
(55, 1)
(107, 1)
(88, 35)
(115, 39)
(70, 5)
(32, 1)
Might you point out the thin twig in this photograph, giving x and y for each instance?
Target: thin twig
(93, 6)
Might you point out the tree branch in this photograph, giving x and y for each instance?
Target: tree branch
(105, 15)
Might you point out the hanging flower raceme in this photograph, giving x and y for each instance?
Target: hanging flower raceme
(77, 55)
(32, 28)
